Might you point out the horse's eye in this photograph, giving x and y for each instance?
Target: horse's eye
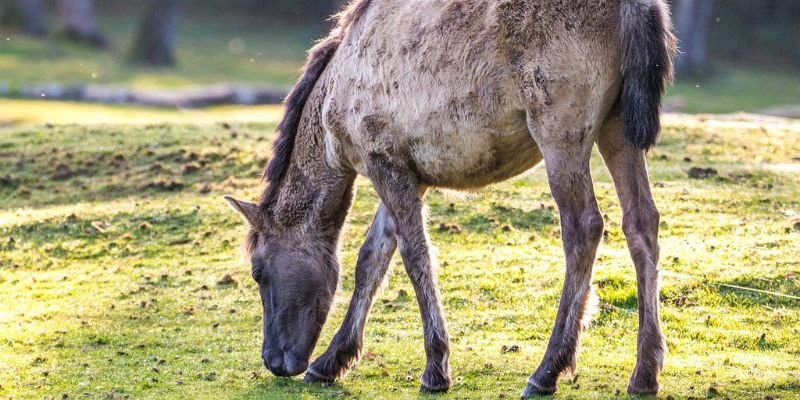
(257, 269)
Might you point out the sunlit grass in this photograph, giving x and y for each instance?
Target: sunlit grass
(109, 273)
(57, 112)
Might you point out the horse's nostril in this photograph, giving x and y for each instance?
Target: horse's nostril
(294, 365)
(274, 363)
(284, 364)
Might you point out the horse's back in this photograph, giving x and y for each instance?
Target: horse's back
(441, 83)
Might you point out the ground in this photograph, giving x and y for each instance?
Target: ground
(122, 276)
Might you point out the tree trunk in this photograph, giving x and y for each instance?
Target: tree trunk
(32, 17)
(155, 42)
(80, 23)
(692, 22)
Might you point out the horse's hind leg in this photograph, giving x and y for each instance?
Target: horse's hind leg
(373, 263)
(640, 221)
(566, 140)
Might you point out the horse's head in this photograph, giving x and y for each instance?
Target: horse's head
(297, 280)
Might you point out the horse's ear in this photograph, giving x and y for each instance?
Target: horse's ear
(250, 211)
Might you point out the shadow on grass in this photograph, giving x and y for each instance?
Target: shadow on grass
(91, 164)
(538, 220)
(154, 233)
(289, 388)
(755, 291)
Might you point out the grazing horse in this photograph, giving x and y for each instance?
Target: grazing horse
(458, 94)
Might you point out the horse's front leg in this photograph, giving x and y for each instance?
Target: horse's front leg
(398, 188)
(373, 263)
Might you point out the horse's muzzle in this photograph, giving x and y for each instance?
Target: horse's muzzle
(285, 364)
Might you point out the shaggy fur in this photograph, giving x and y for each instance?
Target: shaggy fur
(459, 94)
(318, 58)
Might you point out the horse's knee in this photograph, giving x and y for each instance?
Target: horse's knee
(366, 251)
(592, 223)
(642, 224)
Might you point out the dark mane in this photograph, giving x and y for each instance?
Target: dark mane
(294, 104)
(251, 242)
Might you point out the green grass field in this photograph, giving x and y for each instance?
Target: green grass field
(116, 248)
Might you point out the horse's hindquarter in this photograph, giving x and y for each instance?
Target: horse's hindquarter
(429, 82)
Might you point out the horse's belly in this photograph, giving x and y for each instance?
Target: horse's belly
(471, 158)
(451, 135)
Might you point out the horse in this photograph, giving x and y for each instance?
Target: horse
(458, 94)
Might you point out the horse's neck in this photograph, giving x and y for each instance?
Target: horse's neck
(312, 193)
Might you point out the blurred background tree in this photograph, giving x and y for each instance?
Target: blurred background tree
(692, 19)
(155, 42)
(757, 32)
(80, 22)
(29, 15)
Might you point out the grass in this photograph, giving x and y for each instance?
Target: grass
(114, 243)
(14, 111)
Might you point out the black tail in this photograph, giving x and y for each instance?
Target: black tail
(648, 47)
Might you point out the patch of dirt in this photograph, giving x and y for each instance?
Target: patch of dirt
(189, 168)
(451, 228)
(62, 173)
(192, 156)
(702, 173)
(509, 349)
(227, 280)
(7, 181)
(165, 186)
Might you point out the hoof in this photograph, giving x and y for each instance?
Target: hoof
(435, 385)
(434, 389)
(643, 384)
(313, 377)
(535, 389)
(644, 390)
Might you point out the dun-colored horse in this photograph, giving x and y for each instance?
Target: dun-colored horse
(418, 94)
